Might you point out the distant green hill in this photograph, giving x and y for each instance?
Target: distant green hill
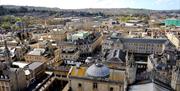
(41, 11)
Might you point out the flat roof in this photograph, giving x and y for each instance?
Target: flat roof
(20, 64)
(148, 87)
(34, 65)
(37, 51)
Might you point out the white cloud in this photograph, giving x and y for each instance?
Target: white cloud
(162, 1)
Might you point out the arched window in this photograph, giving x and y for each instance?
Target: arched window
(94, 85)
(111, 88)
(79, 85)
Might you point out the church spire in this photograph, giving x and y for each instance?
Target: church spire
(131, 69)
(6, 52)
(127, 56)
(131, 60)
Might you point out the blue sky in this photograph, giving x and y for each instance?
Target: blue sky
(77, 4)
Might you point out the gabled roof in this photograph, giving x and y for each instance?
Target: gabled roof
(116, 56)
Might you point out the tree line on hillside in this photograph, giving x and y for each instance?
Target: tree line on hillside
(13, 11)
(43, 11)
(33, 11)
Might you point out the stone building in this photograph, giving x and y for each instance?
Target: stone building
(136, 45)
(12, 79)
(69, 54)
(175, 81)
(11, 43)
(4, 51)
(58, 34)
(33, 71)
(86, 45)
(97, 77)
(131, 69)
(54, 34)
(47, 55)
(174, 38)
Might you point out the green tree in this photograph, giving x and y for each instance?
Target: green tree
(15, 28)
(6, 18)
(18, 19)
(6, 25)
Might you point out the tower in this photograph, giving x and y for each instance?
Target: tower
(131, 69)
(175, 80)
(6, 52)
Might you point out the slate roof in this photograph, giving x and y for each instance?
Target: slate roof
(34, 65)
(144, 40)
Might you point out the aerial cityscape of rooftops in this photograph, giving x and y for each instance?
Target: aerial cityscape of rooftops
(89, 45)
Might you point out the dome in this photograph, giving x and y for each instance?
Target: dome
(98, 71)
